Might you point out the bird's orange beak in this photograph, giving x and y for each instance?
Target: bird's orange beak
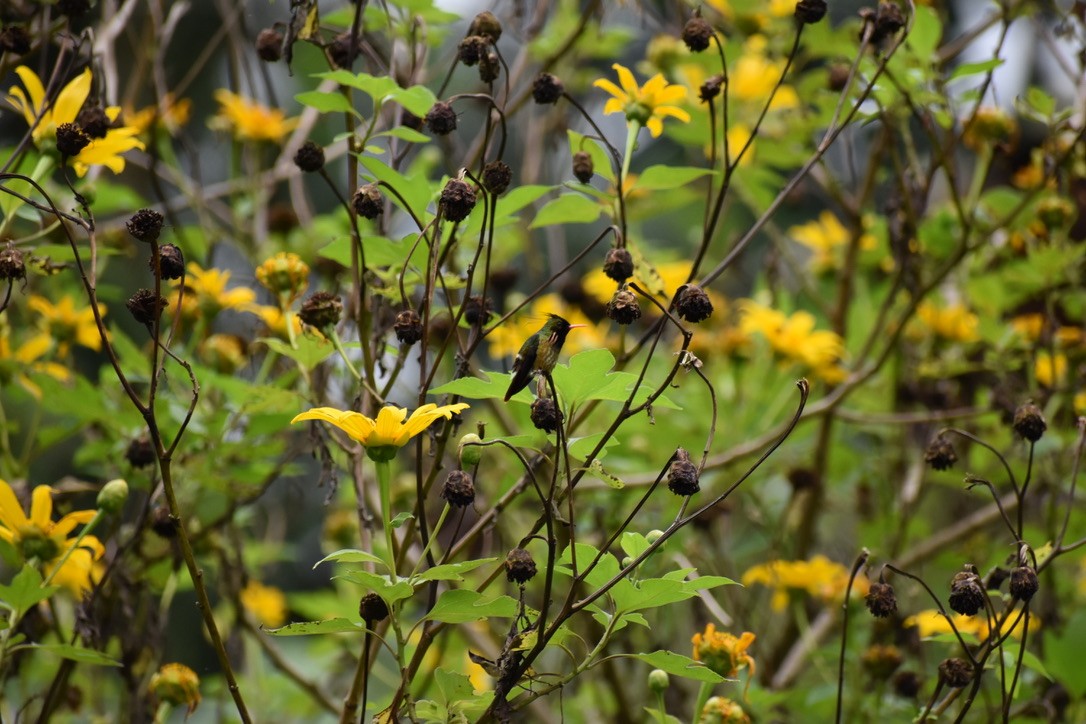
(574, 326)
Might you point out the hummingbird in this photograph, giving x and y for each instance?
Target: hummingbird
(539, 353)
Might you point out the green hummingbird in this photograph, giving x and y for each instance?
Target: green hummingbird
(539, 353)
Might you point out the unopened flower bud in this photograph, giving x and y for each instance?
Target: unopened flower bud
(966, 593)
(658, 680)
(145, 225)
(624, 307)
(457, 200)
(469, 450)
(441, 120)
(618, 265)
(458, 490)
(519, 566)
(284, 274)
(583, 168)
(171, 262)
(112, 496)
(269, 45)
(694, 305)
(1029, 422)
(1024, 583)
(408, 327)
(682, 475)
(547, 88)
(309, 157)
(178, 685)
(654, 535)
(368, 202)
(321, 310)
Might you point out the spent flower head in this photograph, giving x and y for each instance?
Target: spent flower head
(723, 652)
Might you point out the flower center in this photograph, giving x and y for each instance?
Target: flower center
(34, 543)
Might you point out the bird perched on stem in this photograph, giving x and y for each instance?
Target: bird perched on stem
(539, 353)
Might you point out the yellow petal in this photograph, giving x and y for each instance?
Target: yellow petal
(33, 87)
(673, 112)
(614, 105)
(655, 126)
(389, 425)
(68, 523)
(21, 104)
(41, 507)
(71, 98)
(625, 77)
(11, 513)
(33, 348)
(356, 425)
(612, 89)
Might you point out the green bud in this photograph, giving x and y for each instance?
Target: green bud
(658, 680)
(112, 496)
(627, 561)
(653, 536)
(469, 450)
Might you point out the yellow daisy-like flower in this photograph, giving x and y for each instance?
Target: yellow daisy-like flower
(932, 623)
(823, 236)
(953, 322)
(755, 76)
(37, 537)
(251, 121)
(285, 275)
(794, 338)
(206, 293)
(391, 430)
(176, 684)
(267, 604)
(1051, 371)
(645, 105)
(44, 117)
(819, 577)
(723, 652)
(170, 116)
(18, 364)
(64, 324)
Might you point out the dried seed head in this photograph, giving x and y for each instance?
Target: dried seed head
(12, 265)
(881, 600)
(457, 200)
(618, 265)
(881, 660)
(496, 177)
(309, 157)
(1029, 422)
(810, 11)
(682, 476)
(321, 310)
(163, 523)
(339, 50)
(1024, 583)
(545, 414)
(146, 306)
(710, 89)
(477, 310)
(940, 454)
(408, 327)
(171, 262)
(368, 201)
(837, 77)
(547, 88)
(623, 307)
(372, 608)
(697, 33)
(441, 120)
(71, 139)
(490, 67)
(269, 45)
(140, 453)
(966, 593)
(472, 49)
(458, 489)
(519, 566)
(14, 39)
(955, 673)
(888, 20)
(486, 25)
(583, 168)
(145, 225)
(93, 120)
(906, 684)
(694, 305)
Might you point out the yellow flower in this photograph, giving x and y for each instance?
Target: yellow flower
(823, 236)
(176, 684)
(275, 320)
(721, 710)
(646, 105)
(285, 275)
(795, 339)
(206, 293)
(225, 353)
(954, 322)
(1079, 405)
(505, 341)
(1029, 326)
(380, 437)
(723, 652)
(251, 121)
(777, 9)
(755, 76)
(932, 623)
(18, 364)
(37, 538)
(65, 324)
(267, 604)
(819, 577)
(44, 118)
(1051, 371)
(171, 115)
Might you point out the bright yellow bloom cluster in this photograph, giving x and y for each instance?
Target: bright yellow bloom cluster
(646, 105)
(18, 364)
(775, 9)
(389, 431)
(1051, 370)
(285, 275)
(267, 604)
(723, 652)
(823, 237)
(206, 293)
(931, 622)
(755, 75)
(250, 121)
(66, 325)
(171, 116)
(44, 118)
(794, 338)
(954, 322)
(721, 710)
(820, 577)
(36, 537)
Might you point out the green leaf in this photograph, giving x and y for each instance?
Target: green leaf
(967, 69)
(450, 571)
(588, 377)
(26, 590)
(311, 351)
(381, 585)
(400, 519)
(327, 102)
(581, 447)
(924, 36)
(350, 555)
(596, 470)
(417, 99)
(453, 686)
(633, 544)
(658, 178)
(567, 209)
(310, 628)
(679, 665)
(415, 189)
(601, 160)
(405, 134)
(1063, 653)
(376, 87)
(75, 653)
(491, 385)
(461, 606)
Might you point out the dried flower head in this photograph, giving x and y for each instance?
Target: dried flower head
(624, 307)
(472, 49)
(309, 157)
(93, 120)
(477, 310)
(881, 600)
(547, 88)
(14, 39)
(697, 33)
(321, 310)
(694, 305)
(12, 265)
(408, 327)
(710, 89)
(458, 489)
(496, 177)
(906, 684)
(966, 593)
(1029, 422)
(1024, 583)
(486, 25)
(545, 415)
(145, 306)
(810, 11)
(164, 524)
(343, 51)
(145, 225)
(956, 673)
(682, 475)
(519, 566)
(269, 45)
(368, 201)
(140, 453)
(618, 265)
(441, 120)
(372, 608)
(940, 454)
(71, 139)
(583, 167)
(171, 262)
(457, 200)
